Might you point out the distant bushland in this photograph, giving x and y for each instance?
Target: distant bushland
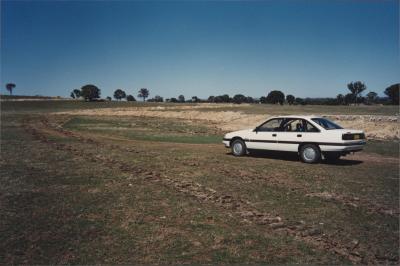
(12, 97)
(356, 88)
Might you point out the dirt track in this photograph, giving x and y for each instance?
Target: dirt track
(376, 127)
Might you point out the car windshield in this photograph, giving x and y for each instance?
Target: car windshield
(325, 123)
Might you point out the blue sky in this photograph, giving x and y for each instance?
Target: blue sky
(305, 48)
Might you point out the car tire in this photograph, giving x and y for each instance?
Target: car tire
(310, 153)
(332, 156)
(238, 147)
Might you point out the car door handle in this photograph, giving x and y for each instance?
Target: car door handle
(298, 135)
(274, 135)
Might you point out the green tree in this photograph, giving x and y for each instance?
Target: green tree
(371, 97)
(393, 93)
(77, 93)
(356, 88)
(218, 99)
(195, 99)
(10, 87)
(239, 98)
(119, 94)
(90, 92)
(276, 97)
(290, 99)
(181, 98)
(225, 98)
(72, 95)
(109, 98)
(340, 99)
(263, 99)
(158, 99)
(249, 99)
(143, 93)
(349, 98)
(173, 100)
(300, 101)
(222, 99)
(130, 98)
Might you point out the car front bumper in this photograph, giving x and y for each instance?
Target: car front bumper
(226, 142)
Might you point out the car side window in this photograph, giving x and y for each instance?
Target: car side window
(309, 127)
(271, 125)
(293, 125)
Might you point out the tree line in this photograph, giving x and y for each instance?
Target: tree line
(92, 93)
(354, 96)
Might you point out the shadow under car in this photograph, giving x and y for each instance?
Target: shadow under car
(292, 156)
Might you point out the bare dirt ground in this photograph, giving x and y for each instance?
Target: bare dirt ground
(375, 126)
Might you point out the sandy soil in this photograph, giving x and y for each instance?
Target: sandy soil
(376, 127)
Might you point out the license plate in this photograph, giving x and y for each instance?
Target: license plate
(356, 136)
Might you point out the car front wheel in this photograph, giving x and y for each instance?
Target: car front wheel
(238, 147)
(310, 153)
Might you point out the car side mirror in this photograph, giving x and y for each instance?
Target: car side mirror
(256, 129)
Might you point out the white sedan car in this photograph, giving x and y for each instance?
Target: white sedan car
(310, 136)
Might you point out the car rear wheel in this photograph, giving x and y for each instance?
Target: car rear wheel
(238, 147)
(310, 153)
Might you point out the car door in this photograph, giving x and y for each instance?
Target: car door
(264, 137)
(311, 132)
(295, 131)
(288, 137)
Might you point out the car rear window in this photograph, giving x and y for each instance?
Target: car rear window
(325, 123)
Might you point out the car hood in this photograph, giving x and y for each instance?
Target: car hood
(238, 133)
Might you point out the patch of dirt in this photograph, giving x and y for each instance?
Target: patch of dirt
(375, 158)
(354, 202)
(374, 129)
(285, 182)
(197, 106)
(222, 118)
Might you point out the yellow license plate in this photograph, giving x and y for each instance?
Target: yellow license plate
(356, 136)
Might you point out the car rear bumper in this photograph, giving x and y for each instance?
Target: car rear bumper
(348, 147)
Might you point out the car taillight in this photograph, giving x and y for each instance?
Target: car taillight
(349, 136)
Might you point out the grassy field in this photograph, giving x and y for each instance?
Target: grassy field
(120, 190)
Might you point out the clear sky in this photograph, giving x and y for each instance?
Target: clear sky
(305, 48)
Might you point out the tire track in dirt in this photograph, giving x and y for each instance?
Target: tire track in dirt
(242, 208)
(355, 202)
(349, 201)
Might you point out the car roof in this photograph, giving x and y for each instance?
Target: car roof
(297, 116)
